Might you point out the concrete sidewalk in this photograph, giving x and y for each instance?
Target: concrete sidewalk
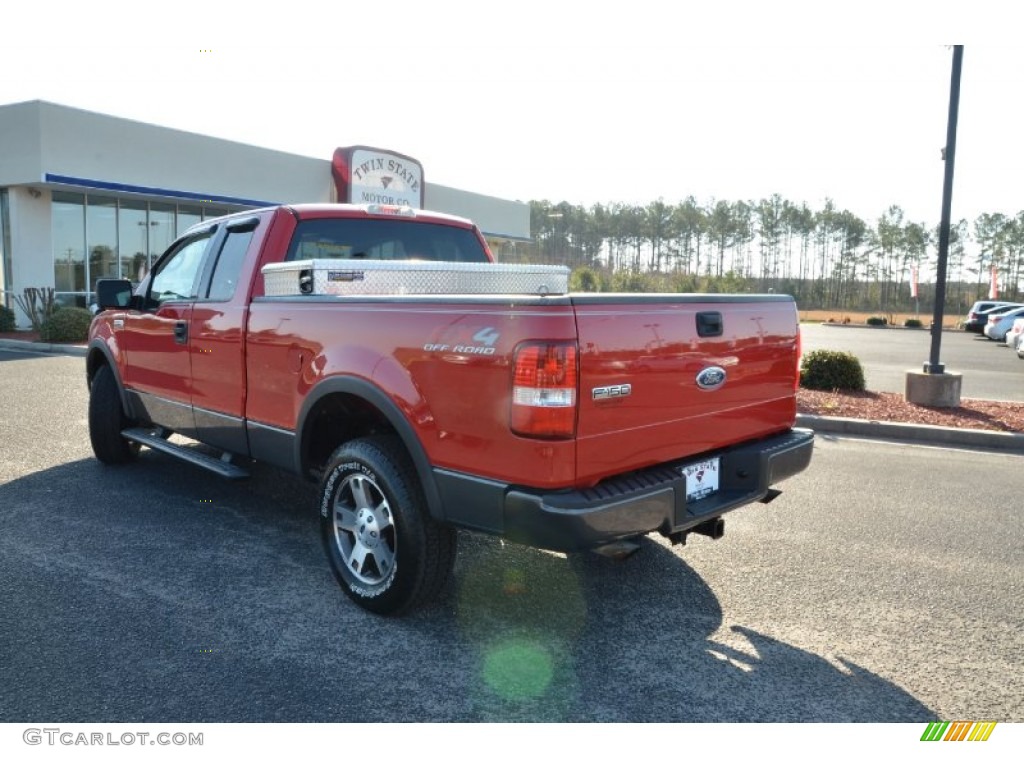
(883, 430)
(915, 433)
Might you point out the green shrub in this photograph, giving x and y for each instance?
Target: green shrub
(585, 280)
(630, 282)
(876, 320)
(67, 324)
(912, 322)
(827, 369)
(683, 282)
(6, 319)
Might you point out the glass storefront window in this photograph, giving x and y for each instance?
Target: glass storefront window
(161, 230)
(133, 240)
(68, 242)
(96, 236)
(188, 215)
(101, 232)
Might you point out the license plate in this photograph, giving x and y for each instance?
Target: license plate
(701, 479)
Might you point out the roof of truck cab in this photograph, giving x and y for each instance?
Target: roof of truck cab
(345, 210)
(332, 210)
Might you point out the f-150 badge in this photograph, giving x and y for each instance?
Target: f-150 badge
(615, 390)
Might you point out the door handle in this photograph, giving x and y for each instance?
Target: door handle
(181, 332)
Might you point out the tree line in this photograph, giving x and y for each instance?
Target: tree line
(827, 258)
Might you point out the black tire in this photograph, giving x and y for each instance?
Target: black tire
(387, 553)
(107, 419)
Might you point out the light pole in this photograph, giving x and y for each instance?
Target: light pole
(933, 365)
(935, 387)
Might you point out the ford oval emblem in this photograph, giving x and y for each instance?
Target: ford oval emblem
(711, 378)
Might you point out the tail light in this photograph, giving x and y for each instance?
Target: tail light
(799, 353)
(390, 210)
(544, 390)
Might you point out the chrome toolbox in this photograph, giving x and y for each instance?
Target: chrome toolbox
(369, 277)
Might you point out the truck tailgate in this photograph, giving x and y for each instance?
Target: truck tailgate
(642, 356)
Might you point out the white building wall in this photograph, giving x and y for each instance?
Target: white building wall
(20, 144)
(30, 242)
(88, 145)
(496, 217)
(39, 138)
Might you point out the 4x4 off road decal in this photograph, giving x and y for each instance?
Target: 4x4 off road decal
(481, 343)
(487, 336)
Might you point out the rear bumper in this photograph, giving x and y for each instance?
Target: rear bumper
(653, 499)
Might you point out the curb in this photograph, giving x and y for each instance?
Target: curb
(34, 346)
(886, 327)
(917, 433)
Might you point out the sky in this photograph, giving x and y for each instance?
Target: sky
(585, 102)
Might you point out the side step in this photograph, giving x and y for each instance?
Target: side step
(157, 442)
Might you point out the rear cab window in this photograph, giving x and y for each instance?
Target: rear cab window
(386, 239)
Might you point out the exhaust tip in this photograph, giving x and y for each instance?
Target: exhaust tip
(618, 550)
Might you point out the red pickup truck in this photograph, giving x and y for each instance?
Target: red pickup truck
(563, 421)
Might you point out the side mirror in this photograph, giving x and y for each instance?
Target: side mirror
(113, 294)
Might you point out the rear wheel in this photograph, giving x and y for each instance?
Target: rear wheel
(387, 553)
(106, 420)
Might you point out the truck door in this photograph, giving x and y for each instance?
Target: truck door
(158, 372)
(217, 335)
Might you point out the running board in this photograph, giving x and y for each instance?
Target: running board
(221, 466)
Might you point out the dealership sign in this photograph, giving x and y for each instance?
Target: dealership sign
(368, 175)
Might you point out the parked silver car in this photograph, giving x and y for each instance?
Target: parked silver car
(979, 313)
(999, 323)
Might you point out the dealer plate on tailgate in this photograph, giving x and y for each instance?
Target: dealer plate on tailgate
(701, 478)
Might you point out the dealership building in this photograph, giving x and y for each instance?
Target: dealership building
(85, 195)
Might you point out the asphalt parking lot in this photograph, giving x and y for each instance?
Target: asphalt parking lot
(990, 371)
(883, 585)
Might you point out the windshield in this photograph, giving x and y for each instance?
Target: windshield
(383, 239)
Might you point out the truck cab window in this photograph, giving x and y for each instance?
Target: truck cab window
(175, 277)
(229, 265)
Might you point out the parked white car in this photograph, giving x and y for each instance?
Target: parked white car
(998, 325)
(1015, 333)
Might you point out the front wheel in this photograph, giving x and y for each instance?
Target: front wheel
(107, 419)
(387, 553)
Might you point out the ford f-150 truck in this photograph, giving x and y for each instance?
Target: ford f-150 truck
(564, 421)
